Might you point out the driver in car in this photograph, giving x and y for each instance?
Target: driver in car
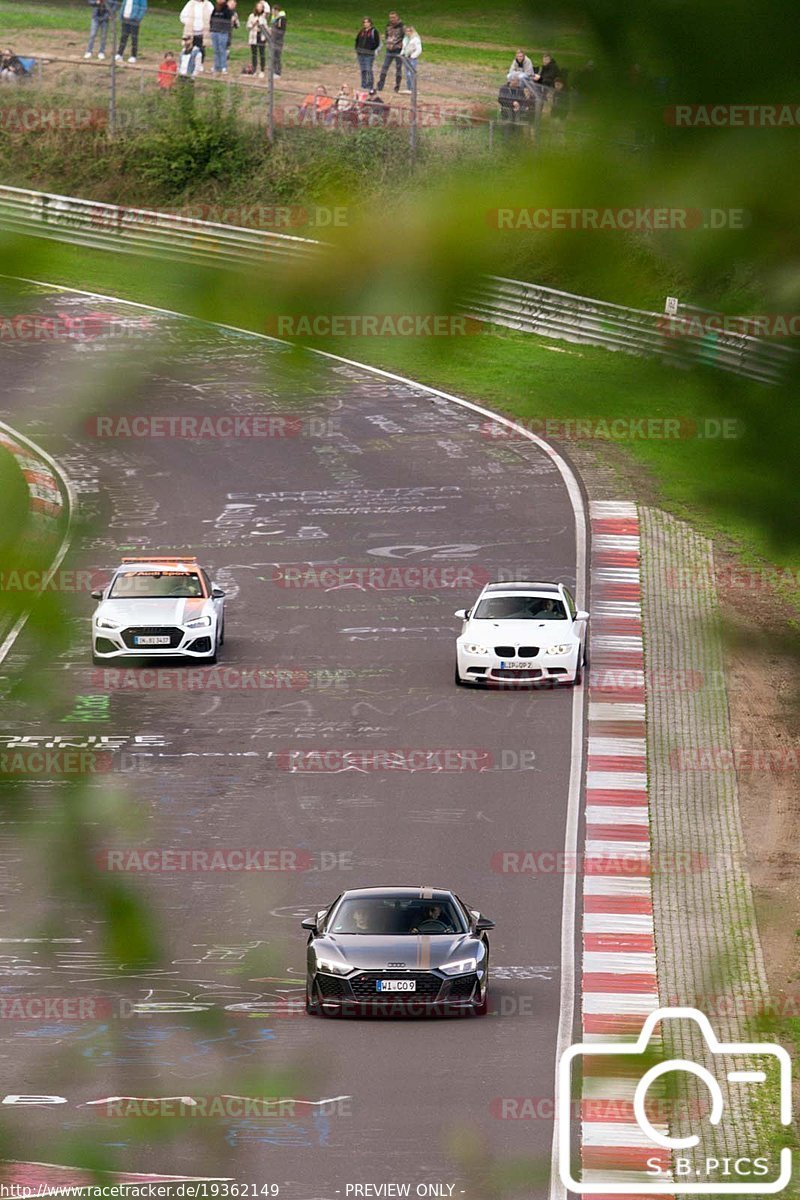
(361, 920)
(436, 916)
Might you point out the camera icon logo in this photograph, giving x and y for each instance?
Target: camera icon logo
(686, 1179)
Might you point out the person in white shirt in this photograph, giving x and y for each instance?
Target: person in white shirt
(196, 21)
(411, 54)
(191, 60)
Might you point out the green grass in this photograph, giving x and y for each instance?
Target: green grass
(325, 33)
(531, 378)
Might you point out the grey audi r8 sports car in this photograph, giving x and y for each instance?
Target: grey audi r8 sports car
(410, 950)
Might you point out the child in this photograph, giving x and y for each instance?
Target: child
(167, 72)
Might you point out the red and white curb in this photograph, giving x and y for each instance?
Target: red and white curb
(46, 498)
(620, 985)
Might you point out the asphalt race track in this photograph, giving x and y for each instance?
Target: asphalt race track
(375, 475)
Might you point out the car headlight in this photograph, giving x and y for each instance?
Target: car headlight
(559, 649)
(333, 968)
(460, 967)
(104, 623)
(198, 623)
(475, 648)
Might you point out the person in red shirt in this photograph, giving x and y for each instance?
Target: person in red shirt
(167, 72)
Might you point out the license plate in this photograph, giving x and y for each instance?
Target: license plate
(518, 664)
(396, 985)
(151, 641)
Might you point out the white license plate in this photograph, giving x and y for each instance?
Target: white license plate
(396, 985)
(151, 641)
(518, 664)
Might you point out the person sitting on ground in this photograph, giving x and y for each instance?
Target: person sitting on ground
(167, 72)
(316, 104)
(374, 109)
(521, 69)
(548, 72)
(560, 102)
(11, 68)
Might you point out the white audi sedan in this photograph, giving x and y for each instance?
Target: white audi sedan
(521, 633)
(159, 607)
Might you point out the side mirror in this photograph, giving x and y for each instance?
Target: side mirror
(461, 613)
(97, 595)
(217, 592)
(309, 923)
(483, 923)
(581, 615)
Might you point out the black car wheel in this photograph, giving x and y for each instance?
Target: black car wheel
(482, 1007)
(459, 681)
(312, 1005)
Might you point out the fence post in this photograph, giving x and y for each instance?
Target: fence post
(491, 136)
(112, 97)
(412, 133)
(271, 95)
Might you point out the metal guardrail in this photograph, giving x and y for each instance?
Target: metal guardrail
(511, 303)
(550, 313)
(144, 231)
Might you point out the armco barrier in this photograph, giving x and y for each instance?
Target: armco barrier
(508, 302)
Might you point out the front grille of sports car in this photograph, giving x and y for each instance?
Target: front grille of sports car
(514, 652)
(463, 987)
(331, 988)
(175, 636)
(363, 985)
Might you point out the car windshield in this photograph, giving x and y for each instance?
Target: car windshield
(155, 585)
(519, 608)
(396, 916)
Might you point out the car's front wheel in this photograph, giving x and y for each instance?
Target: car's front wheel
(482, 1007)
(312, 1005)
(459, 681)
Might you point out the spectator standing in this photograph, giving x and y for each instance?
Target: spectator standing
(258, 36)
(521, 69)
(277, 34)
(101, 19)
(167, 72)
(196, 18)
(393, 44)
(411, 54)
(232, 5)
(132, 13)
(367, 42)
(220, 24)
(191, 61)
